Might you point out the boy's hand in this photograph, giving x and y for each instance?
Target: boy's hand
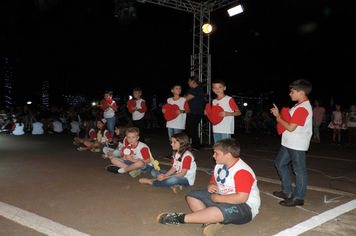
(222, 114)
(163, 111)
(213, 188)
(275, 110)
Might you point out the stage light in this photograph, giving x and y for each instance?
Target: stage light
(235, 10)
(208, 28)
(29, 103)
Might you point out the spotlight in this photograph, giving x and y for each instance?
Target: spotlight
(235, 10)
(125, 11)
(208, 28)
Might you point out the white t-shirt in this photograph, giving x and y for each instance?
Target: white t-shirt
(37, 128)
(179, 121)
(140, 104)
(187, 162)
(299, 139)
(227, 125)
(238, 178)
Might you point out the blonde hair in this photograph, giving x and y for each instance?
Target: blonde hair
(133, 130)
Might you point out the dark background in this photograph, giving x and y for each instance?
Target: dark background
(80, 48)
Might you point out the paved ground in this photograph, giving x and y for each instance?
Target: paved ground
(48, 187)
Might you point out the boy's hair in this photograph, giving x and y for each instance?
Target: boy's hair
(302, 84)
(218, 81)
(228, 145)
(174, 85)
(184, 144)
(137, 89)
(109, 92)
(133, 130)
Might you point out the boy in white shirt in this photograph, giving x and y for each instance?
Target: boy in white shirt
(296, 128)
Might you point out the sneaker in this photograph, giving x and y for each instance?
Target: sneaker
(104, 156)
(211, 229)
(113, 168)
(134, 173)
(169, 218)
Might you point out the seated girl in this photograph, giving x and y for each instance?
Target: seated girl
(103, 137)
(182, 173)
(90, 133)
(120, 131)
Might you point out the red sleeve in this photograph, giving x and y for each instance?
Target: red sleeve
(233, 104)
(299, 116)
(13, 127)
(186, 106)
(108, 135)
(143, 107)
(243, 181)
(126, 143)
(114, 105)
(92, 134)
(186, 162)
(145, 153)
(52, 126)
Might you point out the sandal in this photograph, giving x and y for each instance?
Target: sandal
(146, 181)
(177, 188)
(80, 149)
(104, 156)
(95, 150)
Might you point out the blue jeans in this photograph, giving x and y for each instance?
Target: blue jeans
(173, 180)
(171, 132)
(116, 153)
(111, 124)
(220, 136)
(284, 157)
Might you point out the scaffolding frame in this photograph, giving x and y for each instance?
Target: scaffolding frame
(200, 58)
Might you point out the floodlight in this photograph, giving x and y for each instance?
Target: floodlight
(235, 10)
(208, 28)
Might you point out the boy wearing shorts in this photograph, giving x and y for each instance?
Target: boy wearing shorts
(232, 195)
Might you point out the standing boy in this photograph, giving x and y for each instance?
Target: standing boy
(138, 113)
(177, 124)
(226, 127)
(232, 195)
(297, 126)
(109, 107)
(136, 156)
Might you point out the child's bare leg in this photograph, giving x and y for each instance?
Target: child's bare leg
(135, 166)
(118, 162)
(195, 204)
(207, 215)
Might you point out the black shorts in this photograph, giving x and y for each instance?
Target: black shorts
(237, 214)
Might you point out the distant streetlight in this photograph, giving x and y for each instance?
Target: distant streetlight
(235, 10)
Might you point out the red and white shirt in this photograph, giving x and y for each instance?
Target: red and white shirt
(140, 152)
(299, 139)
(141, 109)
(108, 111)
(227, 125)
(179, 121)
(187, 162)
(18, 129)
(103, 138)
(238, 178)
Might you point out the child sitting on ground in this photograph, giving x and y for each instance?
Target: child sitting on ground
(18, 128)
(136, 156)
(232, 195)
(90, 133)
(102, 138)
(182, 173)
(56, 126)
(121, 140)
(37, 127)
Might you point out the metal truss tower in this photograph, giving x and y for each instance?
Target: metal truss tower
(200, 59)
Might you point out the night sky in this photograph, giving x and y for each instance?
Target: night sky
(80, 48)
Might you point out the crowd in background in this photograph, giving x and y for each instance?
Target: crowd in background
(254, 118)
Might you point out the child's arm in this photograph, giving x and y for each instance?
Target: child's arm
(236, 198)
(288, 126)
(226, 113)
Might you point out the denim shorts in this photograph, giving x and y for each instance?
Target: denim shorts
(237, 214)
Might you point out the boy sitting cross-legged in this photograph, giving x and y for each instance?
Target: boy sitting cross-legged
(232, 195)
(136, 157)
